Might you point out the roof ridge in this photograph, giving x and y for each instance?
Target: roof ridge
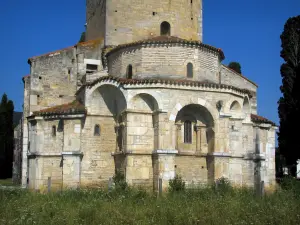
(260, 119)
(168, 39)
(239, 74)
(164, 81)
(73, 107)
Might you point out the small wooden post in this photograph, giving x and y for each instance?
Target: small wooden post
(49, 184)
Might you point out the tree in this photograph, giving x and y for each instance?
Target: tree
(235, 66)
(289, 103)
(6, 137)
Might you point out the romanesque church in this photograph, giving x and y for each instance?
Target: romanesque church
(145, 96)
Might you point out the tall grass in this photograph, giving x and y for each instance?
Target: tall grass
(133, 206)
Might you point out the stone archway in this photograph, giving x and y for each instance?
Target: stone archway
(193, 162)
(195, 130)
(106, 99)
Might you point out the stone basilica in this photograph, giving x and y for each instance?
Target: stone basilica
(145, 96)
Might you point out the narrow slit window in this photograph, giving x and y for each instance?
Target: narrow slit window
(190, 70)
(187, 131)
(97, 130)
(129, 72)
(53, 131)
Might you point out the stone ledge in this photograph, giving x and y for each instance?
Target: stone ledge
(255, 157)
(72, 153)
(161, 151)
(220, 154)
(44, 154)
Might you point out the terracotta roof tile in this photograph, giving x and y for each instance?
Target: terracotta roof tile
(74, 107)
(169, 39)
(166, 81)
(260, 119)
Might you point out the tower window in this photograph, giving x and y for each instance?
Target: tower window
(53, 131)
(165, 28)
(187, 131)
(189, 70)
(129, 72)
(90, 68)
(97, 130)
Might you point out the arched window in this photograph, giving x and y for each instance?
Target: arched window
(165, 28)
(53, 131)
(187, 131)
(97, 130)
(129, 72)
(189, 70)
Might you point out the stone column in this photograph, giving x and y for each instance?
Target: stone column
(178, 135)
(198, 139)
(117, 137)
(174, 136)
(164, 167)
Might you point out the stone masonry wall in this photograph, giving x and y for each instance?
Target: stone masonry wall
(95, 19)
(97, 162)
(26, 112)
(231, 78)
(53, 79)
(193, 170)
(130, 20)
(165, 62)
(139, 170)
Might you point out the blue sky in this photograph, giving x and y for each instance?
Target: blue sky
(248, 31)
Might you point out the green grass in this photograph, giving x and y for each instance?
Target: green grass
(6, 182)
(200, 206)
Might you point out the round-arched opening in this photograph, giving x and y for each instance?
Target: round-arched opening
(129, 72)
(246, 105)
(189, 70)
(107, 100)
(144, 102)
(235, 106)
(195, 129)
(165, 28)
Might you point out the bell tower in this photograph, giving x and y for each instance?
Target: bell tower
(126, 21)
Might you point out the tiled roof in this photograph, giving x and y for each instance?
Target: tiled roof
(169, 39)
(92, 43)
(74, 107)
(260, 119)
(166, 81)
(240, 75)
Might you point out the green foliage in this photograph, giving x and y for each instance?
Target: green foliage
(222, 185)
(235, 66)
(176, 184)
(120, 181)
(291, 184)
(6, 137)
(289, 103)
(197, 206)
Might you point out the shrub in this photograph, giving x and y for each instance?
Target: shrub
(222, 185)
(176, 184)
(120, 181)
